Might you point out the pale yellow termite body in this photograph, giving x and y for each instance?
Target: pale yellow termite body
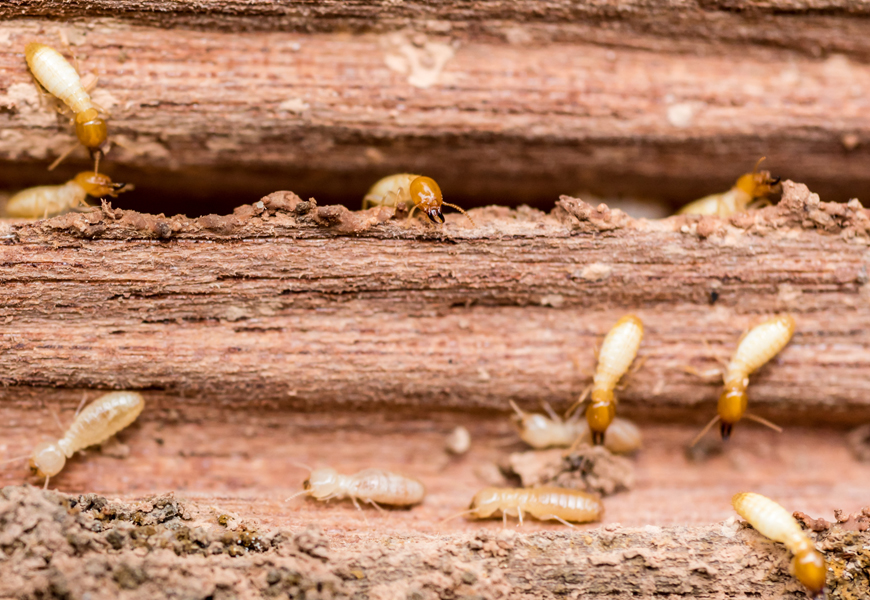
(412, 191)
(551, 431)
(48, 200)
(60, 79)
(749, 188)
(618, 351)
(543, 503)
(97, 422)
(755, 349)
(375, 486)
(773, 521)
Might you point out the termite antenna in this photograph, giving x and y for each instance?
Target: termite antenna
(297, 494)
(9, 460)
(302, 465)
(579, 402)
(758, 164)
(549, 410)
(457, 515)
(704, 431)
(765, 422)
(473, 224)
(517, 409)
(97, 154)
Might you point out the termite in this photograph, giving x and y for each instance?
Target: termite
(757, 186)
(618, 351)
(543, 503)
(756, 347)
(60, 79)
(100, 420)
(47, 200)
(414, 192)
(374, 486)
(773, 521)
(458, 441)
(551, 431)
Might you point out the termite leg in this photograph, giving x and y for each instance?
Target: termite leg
(706, 375)
(517, 409)
(627, 379)
(579, 402)
(57, 420)
(520, 515)
(764, 421)
(376, 505)
(704, 431)
(411, 212)
(45, 487)
(81, 404)
(503, 520)
(560, 519)
(549, 410)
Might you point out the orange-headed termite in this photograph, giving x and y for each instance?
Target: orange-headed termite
(618, 351)
(551, 431)
(61, 80)
(751, 187)
(375, 486)
(756, 347)
(543, 503)
(100, 420)
(414, 191)
(47, 200)
(773, 521)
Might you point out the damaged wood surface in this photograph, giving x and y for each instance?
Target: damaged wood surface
(163, 546)
(300, 305)
(507, 120)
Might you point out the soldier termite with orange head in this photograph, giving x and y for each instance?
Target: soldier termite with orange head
(751, 187)
(543, 503)
(99, 421)
(60, 79)
(551, 431)
(618, 351)
(47, 200)
(756, 347)
(374, 486)
(773, 521)
(414, 192)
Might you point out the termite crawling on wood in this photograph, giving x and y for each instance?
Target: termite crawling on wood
(374, 486)
(543, 503)
(756, 347)
(757, 186)
(773, 521)
(48, 200)
(60, 79)
(97, 422)
(618, 351)
(551, 431)
(414, 191)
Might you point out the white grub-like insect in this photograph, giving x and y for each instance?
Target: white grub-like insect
(458, 441)
(47, 200)
(60, 79)
(414, 192)
(773, 521)
(618, 351)
(756, 347)
(97, 422)
(374, 486)
(551, 431)
(543, 503)
(757, 186)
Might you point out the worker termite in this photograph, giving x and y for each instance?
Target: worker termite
(551, 431)
(47, 200)
(374, 486)
(618, 351)
(100, 420)
(773, 521)
(756, 347)
(60, 79)
(757, 186)
(543, 503)
(414, 192)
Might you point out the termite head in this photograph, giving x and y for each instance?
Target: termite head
(322, 483)
(809, 568)
(534, 429)
(47, 460)
(91, 129)
(99, 185)
(732, 406)
(758, 184)
(485, 503)
(426, 195)
(600, 414)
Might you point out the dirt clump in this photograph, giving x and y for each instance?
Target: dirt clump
(587, 468)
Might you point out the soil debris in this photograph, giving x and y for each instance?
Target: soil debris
(587, 468)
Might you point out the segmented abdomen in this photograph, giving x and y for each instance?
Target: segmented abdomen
(770, 519)
(57, 76)
(618, 351)
(762, 343)
(42, 200)
(101, 419)
(386, 488)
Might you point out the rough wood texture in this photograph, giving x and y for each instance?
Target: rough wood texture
(161, 547)
(617, 107)
(307, 305)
